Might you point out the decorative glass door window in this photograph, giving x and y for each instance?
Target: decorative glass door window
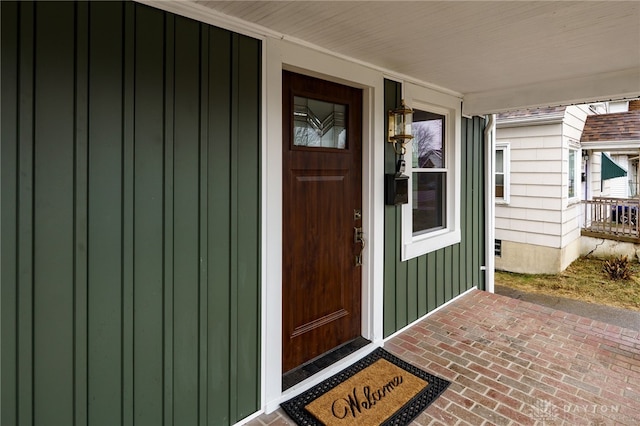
(319, 124)
(429, 172)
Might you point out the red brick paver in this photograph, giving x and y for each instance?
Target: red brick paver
(516, 363)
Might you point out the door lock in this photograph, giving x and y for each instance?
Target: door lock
(358, 235)
(358, 238)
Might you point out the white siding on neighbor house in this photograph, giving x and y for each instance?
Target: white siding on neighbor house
(573, 235)
(542, 178)
(546, 240)
(617, 187)
(619, 106)
(530, 166)
(540, 211)
(535, 239)
(574, 119)
(620, 186)
(571, 222)
(533, 215)
(633, 176)
(546, 133)
(536, 227)
(535, 203)
(594, 167)
(572, 126)
(540, 190)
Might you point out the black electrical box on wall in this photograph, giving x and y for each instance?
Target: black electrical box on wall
(396, 189)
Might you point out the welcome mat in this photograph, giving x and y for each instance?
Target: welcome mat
(380, 389)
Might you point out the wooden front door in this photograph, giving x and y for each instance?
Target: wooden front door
(322, 201)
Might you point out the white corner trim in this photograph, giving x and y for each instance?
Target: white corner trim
(272, 224)
(249, 418)
(490, 200)
(265, 256)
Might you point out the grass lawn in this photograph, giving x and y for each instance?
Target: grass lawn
(583, 280)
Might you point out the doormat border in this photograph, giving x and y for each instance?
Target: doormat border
(295, 406)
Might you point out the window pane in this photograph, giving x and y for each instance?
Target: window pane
(428, 202)
(499, 161)
(319, 124)
(572, 173)
(428, 140)
(499, 185)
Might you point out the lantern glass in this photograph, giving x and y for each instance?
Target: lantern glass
(399, 123)
(400, 120)
(407, 119)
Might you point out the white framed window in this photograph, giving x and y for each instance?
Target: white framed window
(573, 173)
(431, 219)
(502, 172)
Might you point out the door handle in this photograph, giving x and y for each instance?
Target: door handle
(358, 238)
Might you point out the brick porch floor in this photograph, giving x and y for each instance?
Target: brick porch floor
(513, 362)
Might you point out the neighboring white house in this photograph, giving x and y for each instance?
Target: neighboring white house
(615, 132)
(545, 167)
(539, 163)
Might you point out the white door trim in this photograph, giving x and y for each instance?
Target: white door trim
(279, 55)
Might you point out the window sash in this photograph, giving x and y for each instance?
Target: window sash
(572, 180)
(429, 189)
(429, 168)
(501, 173)
(435, 238)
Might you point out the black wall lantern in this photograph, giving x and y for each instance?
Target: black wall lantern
(396, 185)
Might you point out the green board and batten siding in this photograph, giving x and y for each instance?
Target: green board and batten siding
(130, 217)
(418, 286)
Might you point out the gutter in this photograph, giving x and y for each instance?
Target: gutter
(616, 145)
(529, 121)
(490, 205)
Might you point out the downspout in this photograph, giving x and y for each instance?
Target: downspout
(490, 200)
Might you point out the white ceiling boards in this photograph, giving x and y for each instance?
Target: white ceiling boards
(498, 54)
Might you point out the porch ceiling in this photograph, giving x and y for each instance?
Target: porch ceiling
(500, 55)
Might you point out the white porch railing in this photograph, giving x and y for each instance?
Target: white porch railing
(613, 218)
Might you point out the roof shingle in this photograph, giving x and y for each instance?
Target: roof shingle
(621, 126)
